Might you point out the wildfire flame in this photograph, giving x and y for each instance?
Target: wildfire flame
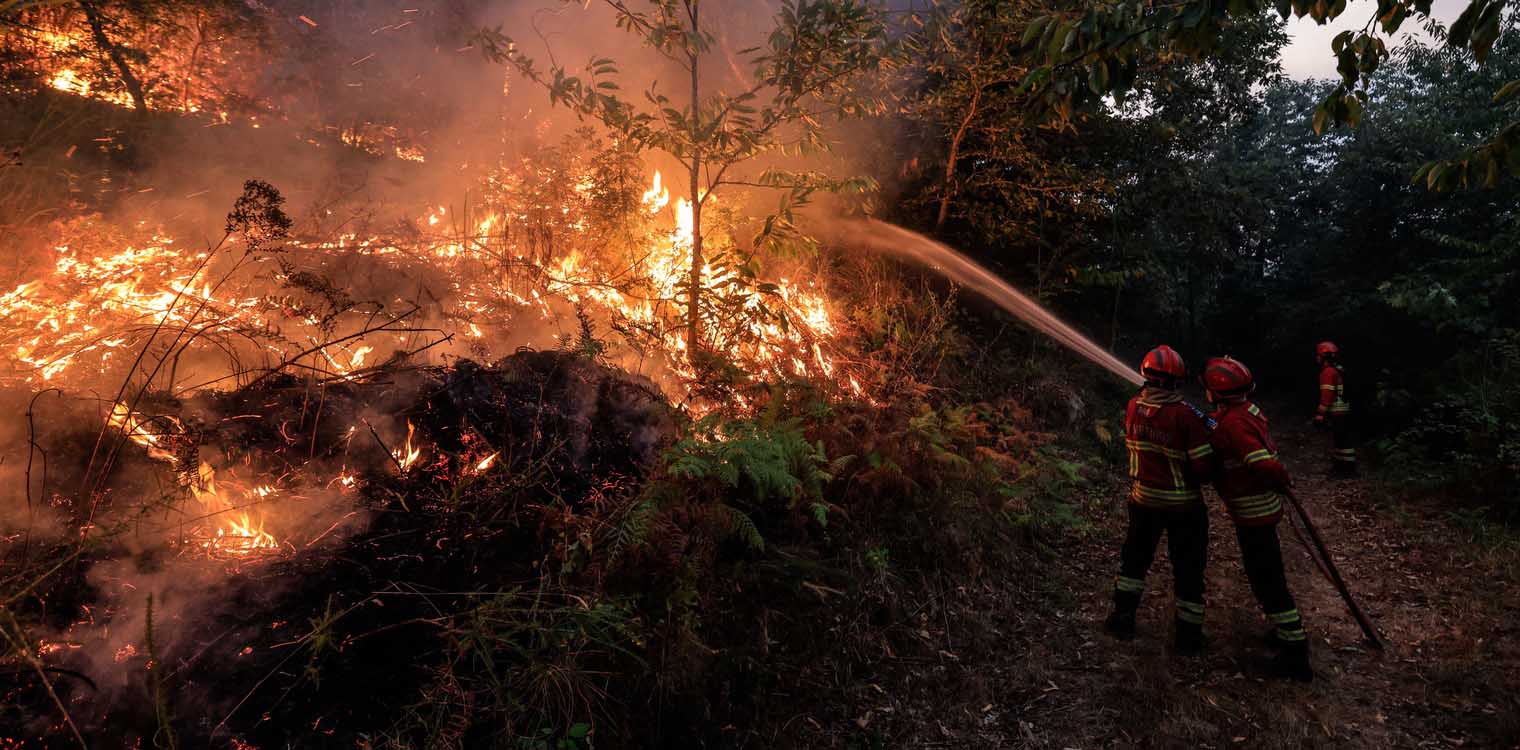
(238, 532)
(97, 301)
(485, 464)
(132, 425)
(241, 536)
(408, 454)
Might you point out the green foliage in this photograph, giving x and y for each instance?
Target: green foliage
(1083, 56)
(527, 670)
(586, 343)
(761, 459)
(1043, 495)
(574, 738)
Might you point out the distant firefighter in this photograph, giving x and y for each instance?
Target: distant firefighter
(1169, 457)
(1253, 485)
(1334, 410)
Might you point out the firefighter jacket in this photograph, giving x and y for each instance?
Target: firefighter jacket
(1169, 452)
(1250, 479)
(1332, 392)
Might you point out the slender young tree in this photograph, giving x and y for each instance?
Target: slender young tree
(801, 78)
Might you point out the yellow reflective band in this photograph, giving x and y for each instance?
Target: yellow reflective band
(1248, 500)
(1196, 607)
(1255, 412)
(1200, 451)
(1291, 636)
(1131, 585)
(1258, 507)
(1141, 445)
(1327, 387)
(1186, 616)
(1261, 455)
(1254, 506)
(1159, 494)
(1281, 618)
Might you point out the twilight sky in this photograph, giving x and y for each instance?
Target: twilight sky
(1308, 52)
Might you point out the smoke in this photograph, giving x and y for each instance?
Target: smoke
(337, 101)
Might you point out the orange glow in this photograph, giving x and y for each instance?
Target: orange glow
(408, 454)
(485, 464)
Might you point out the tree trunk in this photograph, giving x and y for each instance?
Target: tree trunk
(948, 191)
(694, 282)
(195, 55)
(98, 30)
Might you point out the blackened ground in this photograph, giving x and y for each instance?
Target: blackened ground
(1015, 657)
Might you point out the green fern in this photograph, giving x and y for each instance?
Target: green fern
(633, 531)
(741, 526)
(766, 459)
(821, 514)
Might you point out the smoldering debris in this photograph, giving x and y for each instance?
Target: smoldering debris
(351, 516)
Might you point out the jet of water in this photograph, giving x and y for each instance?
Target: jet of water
(894, 240)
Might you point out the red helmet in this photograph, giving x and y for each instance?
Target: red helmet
(1327, 349)
(1227, 378)
(1163, 362)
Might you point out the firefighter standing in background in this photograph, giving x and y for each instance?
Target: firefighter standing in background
(1253, 483)
(1169, 456)
(1334, 410)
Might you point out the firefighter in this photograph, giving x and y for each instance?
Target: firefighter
(1169, 457)
(1334, 410)
(1253, 485)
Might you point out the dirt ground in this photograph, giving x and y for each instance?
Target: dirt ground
(1022, 662)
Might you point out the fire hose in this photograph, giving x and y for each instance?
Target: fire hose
(1327, 566)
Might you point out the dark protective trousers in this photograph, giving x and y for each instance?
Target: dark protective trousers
(1261, 554)
(1343, 452)
(1187, 536)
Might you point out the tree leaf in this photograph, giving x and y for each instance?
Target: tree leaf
(1097, 78)
(1339, 42)
(1321, 117)
(1462, 28)
(1034, 30)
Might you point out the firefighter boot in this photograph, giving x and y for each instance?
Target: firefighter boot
(1190, 640)
(1121, 622)
(1292, 662)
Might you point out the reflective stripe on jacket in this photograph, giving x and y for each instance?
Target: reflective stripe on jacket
(1250, 478)
(1169, 451)
(1332, 391)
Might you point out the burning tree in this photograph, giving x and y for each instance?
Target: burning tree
(184, 56)
(803, 76)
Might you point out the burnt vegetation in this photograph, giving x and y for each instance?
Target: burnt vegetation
(410, 377)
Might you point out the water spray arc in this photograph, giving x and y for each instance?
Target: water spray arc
(894, 240)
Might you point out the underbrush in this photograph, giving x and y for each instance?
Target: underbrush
(763, 556)
(681, 611)
(1462, 443)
